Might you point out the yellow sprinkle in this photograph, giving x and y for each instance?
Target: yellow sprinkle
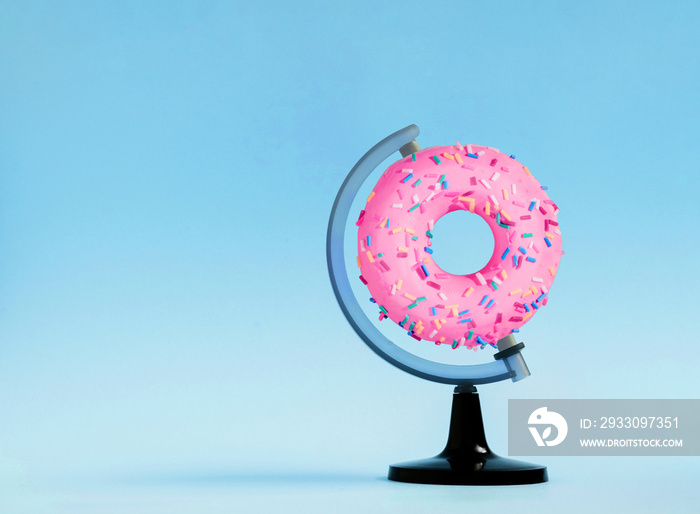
(383, 223)
(505, 195)
(526, 293)
(465, 199)
(551, 271)
(410, 230)
(442, 339)
(359, 264)
(471, 206)
(488, 208)
(402, 249)
(369, 256)
(505, 214)
(419, 328)
(426, 260)
(396, 230)
(371, 195)
(437, 323)
(504, 274)
(454, 311)
(548, 235)
(444, 320)
(410, 296)
(399, 283)
(458, 158)
(448, 155)
(528, 316)
(533, 289)
(515, 291)
(527, 170)
(469, 291)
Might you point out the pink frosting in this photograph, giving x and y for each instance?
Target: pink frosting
(394, 240)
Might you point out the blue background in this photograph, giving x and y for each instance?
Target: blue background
(169, 340)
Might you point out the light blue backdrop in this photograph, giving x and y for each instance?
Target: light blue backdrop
(166, 174)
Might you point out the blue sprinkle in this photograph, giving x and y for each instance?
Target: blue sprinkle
(531, 259)
(434, 311)
(373, 300)
(425, 270)
(546, 240)
(515, 261)
(428, 250)
(465, 320)
(463, 313)
(369, 241)
(522, 250)
(408, 177)
(505, 254)
(481, 341)
(515, 330)
(387, 223)
(534, 306)
(539, 299)
(544, 188)
(526, 307)
(445, 184)
(490, 303)
(532, 206)
(483, 299)
(473, 155)
(512, 156)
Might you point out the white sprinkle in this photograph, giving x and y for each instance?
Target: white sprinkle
(406, 171)
(432, 334)
(529, 247)
(431, 224)
(537, 279)
(495, 176)
(397, 205)
(462, 341)
(512, 189)
(497, 280)
(544, 289)
(480, 278)
(415, 198)
(393, 288)
(557, 231)
(459, 146)
(481, 152)
(442, 295)
(493, 199)
(430, 197)
(469, 149)
(362, 245)
(485, 184)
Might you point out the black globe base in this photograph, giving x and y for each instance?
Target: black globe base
(467, 459)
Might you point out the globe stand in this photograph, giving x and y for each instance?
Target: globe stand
(467, 459)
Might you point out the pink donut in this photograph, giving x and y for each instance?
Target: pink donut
(394, 240)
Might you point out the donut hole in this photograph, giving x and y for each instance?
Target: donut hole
(462, 243)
